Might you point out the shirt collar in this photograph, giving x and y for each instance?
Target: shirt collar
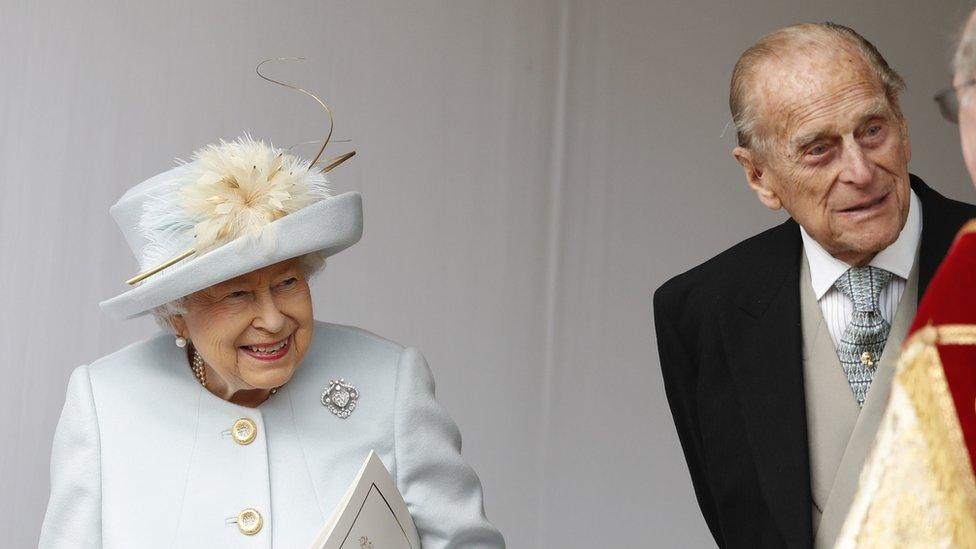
(897, 259)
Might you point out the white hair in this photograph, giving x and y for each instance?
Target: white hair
(311, 264)
(810, 37)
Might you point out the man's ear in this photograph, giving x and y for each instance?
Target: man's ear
(755, 173)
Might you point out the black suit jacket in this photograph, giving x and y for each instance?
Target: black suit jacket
(730, 343)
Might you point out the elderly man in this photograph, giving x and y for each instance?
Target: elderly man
(778, 353)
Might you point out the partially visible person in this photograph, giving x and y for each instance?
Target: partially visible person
(918, 487)
(778, 354)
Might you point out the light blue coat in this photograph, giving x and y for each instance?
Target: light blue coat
(143, 455)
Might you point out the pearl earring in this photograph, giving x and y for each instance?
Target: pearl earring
(180, 341)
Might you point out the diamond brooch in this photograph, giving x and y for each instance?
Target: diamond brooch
(340, 398)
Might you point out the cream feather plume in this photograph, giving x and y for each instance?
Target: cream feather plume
(229, 190)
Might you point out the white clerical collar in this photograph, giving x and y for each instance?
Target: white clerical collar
(897, 259)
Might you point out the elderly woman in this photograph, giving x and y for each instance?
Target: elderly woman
(245, 425)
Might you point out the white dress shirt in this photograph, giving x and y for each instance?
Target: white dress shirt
(897, 259)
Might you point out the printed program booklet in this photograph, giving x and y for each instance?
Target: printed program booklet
(372, 514)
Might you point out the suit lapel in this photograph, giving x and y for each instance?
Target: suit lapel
(941, 220)
(763, 344)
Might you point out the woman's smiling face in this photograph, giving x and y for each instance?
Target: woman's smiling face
(252, 331)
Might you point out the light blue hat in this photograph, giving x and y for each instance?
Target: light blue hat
(236, 207)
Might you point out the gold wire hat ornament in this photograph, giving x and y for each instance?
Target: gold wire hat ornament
(330, 164)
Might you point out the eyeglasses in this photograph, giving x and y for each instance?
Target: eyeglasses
(948, 100)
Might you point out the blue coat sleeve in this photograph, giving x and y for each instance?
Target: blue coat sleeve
(442, 492)
(73, 517)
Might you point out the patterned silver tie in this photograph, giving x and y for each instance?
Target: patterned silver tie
(861, 345)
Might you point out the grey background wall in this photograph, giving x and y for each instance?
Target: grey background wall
(531, 172)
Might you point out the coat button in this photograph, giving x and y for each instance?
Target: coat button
(249, 522)
(244, 431)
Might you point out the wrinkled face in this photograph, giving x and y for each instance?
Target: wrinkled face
(253, 330)
(838, 154)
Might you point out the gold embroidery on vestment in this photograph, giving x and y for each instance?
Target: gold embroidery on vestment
(917, 488)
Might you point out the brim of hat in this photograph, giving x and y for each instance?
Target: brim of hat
(327, 226)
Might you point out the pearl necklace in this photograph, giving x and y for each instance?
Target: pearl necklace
(200, 372)
(198, 368)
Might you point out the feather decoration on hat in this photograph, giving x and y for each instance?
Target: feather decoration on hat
(229, 190)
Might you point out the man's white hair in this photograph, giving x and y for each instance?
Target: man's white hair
(809, 37)
(311, 264)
